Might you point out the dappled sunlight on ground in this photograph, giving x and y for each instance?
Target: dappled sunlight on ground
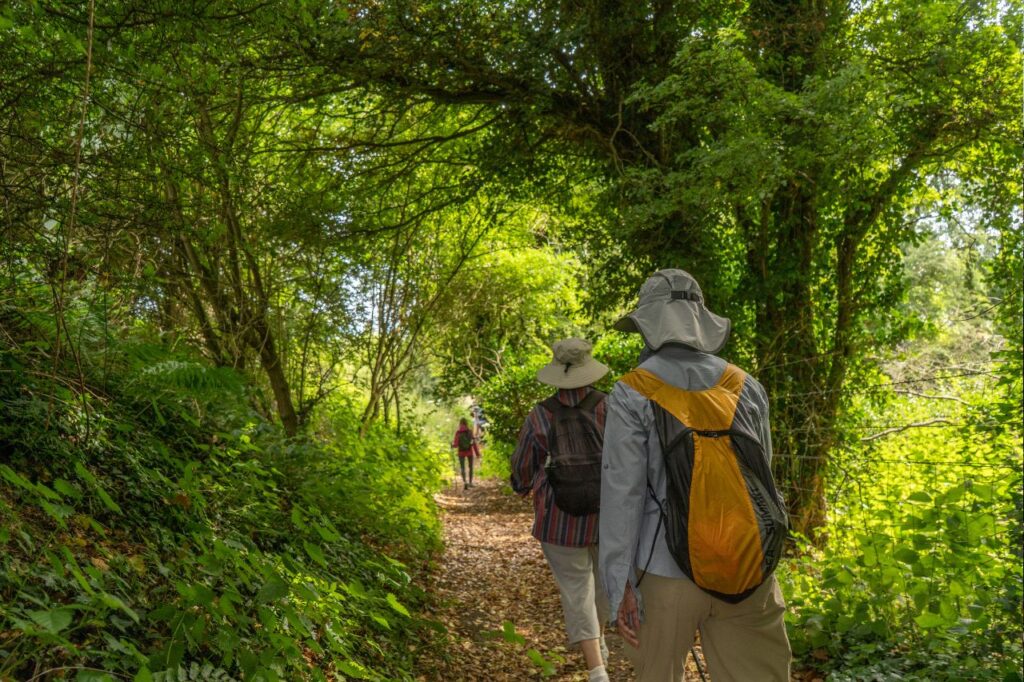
(493, 571)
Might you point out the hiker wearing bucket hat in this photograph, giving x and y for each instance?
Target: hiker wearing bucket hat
(672, 310)
(674, 425)
(558, 459)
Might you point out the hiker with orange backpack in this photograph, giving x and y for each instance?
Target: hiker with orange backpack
(558, 459)
(692, 525)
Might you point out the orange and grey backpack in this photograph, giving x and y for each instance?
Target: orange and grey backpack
(725, 521)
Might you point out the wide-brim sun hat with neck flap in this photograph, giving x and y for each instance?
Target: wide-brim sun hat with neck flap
(571, 365)
(671, 310)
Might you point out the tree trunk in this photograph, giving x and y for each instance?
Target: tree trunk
(789, 354)
(263, 343)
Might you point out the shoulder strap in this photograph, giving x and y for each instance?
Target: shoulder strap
(591, 400)
(732, 379)
(565, 413)
(643, 381)
(710, 409)
(552, 404)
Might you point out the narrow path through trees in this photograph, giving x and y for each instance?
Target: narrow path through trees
(493, 571)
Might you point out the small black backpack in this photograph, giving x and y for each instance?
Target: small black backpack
(464, 440)
(574, 463)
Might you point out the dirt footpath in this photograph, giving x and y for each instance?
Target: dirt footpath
(493, 573)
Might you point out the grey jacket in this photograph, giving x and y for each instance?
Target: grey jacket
(632, 458)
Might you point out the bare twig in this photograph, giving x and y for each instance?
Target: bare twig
(903, 391)
(900, 429)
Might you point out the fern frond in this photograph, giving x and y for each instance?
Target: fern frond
(192, 376)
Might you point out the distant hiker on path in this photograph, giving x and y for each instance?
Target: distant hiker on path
(479, 423)
(558, 458)
(467, 448)
(691, 523)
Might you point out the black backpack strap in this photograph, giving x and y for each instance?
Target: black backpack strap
(591, 400)
(657, 529)
(556, 408)
(552, 404)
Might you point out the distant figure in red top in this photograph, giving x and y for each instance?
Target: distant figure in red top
(465, 443)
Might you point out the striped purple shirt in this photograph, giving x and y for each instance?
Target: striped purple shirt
(550, 524)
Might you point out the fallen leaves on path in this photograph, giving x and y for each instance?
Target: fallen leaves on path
(493, 572)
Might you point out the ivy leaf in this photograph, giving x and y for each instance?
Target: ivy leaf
(353, 669)
(87, 675)
(66, 489)
(544, 664)
(115, 602)
(508, 631)
(929, 620)
(305, 592)
(327, 534)
(88, 476)
(355, 588)
(907, 555)
(15, 478)
(315, 553)
(297, 519)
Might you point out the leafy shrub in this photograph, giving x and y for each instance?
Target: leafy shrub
(380, 481)
(509, 396)
(921, 577)
(495, 461)
(620, 352)
(154, 526)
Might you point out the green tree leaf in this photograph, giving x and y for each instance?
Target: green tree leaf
(929, 620)
(396, 605)
(315, 553)
(53, 620)
(274, 589)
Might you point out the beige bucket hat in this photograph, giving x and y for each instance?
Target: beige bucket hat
(671, 310)
(571, 365)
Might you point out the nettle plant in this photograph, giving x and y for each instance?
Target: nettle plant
(920, 576)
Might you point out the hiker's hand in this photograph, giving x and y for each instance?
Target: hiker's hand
(628, 618)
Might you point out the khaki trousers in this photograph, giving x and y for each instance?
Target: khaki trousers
(743, 642)
(584, 603)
